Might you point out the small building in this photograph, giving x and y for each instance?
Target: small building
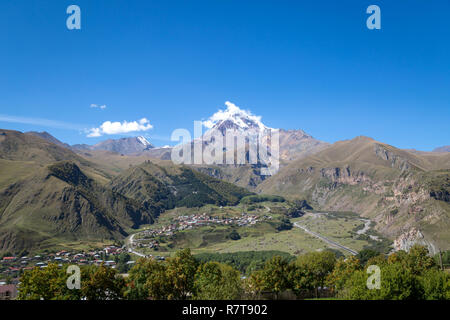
(8, 292)
(9, 258)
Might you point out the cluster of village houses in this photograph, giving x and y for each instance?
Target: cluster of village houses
(188, 222)
(11, 267)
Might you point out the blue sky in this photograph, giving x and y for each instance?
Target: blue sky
(312, 65)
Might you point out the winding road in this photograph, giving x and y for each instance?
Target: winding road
(130, 247)
(331, 242)
(296, 224)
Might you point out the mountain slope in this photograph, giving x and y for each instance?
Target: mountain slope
(15, 145)
(166, 185)
(296, 144)
(126, 146)
(400, 190)
(47, 136)
(60, 203)
(31, 152)
(442, 149)
(50, 195)
(293, 144)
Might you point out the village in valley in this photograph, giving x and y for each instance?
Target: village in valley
(122, 256)
(211, 228)
(148, 237)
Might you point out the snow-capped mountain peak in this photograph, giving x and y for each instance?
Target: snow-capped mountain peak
(236, 118)
(144, 141)
(129, 145)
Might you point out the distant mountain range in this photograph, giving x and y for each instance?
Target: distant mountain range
(51, 192)
(407, 194)
(50, 195)
(293, 144)
(47, 136)
(126, 146)
(442, 149)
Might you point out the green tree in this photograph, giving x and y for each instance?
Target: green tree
(48, 283)
(148, 279)
(253, 285)
(343, 270)
(181, 272)
(121, 261)
(298, 279)
(172, 279)
(417, 260)
(445, 255)
(355, 287)
(396, 282)
(234, 235)
(365, 255)
(435, 285)
(378, 260)
(216, 281)
(244, 261)
(311, 270)
(102, 283)
(274, 276)
(158, 283)
(285, 224)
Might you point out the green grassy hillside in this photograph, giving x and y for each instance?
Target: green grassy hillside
(399, 189)
(167, 185)
(61, 202)
(50, 195)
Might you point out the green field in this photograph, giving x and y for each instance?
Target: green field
(263, 236)
(338, 227)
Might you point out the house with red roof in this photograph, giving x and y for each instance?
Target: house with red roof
(9, 258)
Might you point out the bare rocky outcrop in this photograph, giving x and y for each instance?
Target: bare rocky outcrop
(397, 189)
(410, 238)
(395, 160)
(344, 175)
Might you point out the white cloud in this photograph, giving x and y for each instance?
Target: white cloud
(109, 127)
(94, 132)
(232, 111)
(103, 106)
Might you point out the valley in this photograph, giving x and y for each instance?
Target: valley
(265, 227)
(399, 190)
(54, 195)
(50, 195)
(218, 155)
